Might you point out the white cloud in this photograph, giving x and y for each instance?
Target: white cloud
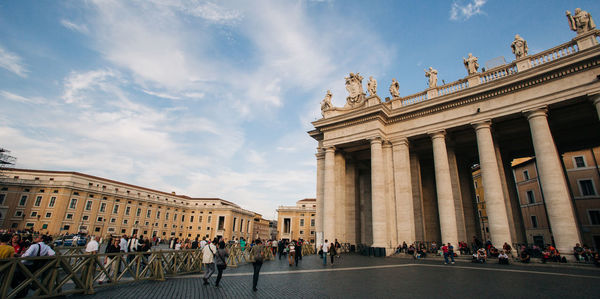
(461, 11)
(215, 13)
(17, 98)
(12, 62)
(77, 83)
(81, 28)
(161, 95)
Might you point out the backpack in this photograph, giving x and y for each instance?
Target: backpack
(258, 254)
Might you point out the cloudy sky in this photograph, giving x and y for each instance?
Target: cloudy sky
(214, 98)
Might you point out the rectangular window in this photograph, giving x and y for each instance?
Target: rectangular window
(73, 203)
(33, 214)
(209, 219)
(286, 225)
(19, 214)
(182, 218)
(301, 222)
(235, 222)
(48, 215)
(477, 198)
(115, 209)
(192, 218)
(124, 221)
(102, 207)
(127, 210)
(241, 225)
(113, 220)
(52, 202)
(526, 174)
(594, 217)
(138, 212)
(587, 188)
(312, 222)
(38, 201)
(221, 224)
(2, 197)
(579, 161)
(99, 219)
(534, 222)
(167, 216)
(248, 226)
(157, 214)
(148, 213)
(530, 197)
(302, 232)
(174, 217)
(23, 200)
(88, 205)
(70, 216)
(199, 218)
(85, 218)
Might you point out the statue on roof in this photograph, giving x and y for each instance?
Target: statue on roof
(471, 64)
(395, 89)
(581, 22)
(519, 47)
(355, 89)
(372, 86)
(326, 103)
(432, 75)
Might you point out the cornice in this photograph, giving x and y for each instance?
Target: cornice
(548, 72)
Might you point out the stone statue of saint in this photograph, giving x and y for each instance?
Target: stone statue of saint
(372, 86)
(432, 75)
(355, 89)
(326, 103)
(395, 89)
(471, 64)
(581, 22)
(519, 47)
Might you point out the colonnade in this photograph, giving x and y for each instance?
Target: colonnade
(392, 204)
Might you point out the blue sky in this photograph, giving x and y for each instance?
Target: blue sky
(213, 99)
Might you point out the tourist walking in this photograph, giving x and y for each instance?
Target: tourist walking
(258, 261)
(92, 245)
(332, 252)
(448, 251)
(292, 253)
(208, 254)
(221, 261)
(324, 249)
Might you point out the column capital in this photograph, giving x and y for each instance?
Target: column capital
(487, 123)
(400, 141)
(536, 112)
(320, 154)
(387, 143)
(437, 134)
(375, 139)
(330, 148)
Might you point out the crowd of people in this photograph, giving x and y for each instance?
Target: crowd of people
(485, 252)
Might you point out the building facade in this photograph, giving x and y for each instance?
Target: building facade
(582, 176)
(58, 202)
(261, 228)
(299, 221)
(479, 202)
(400, 169)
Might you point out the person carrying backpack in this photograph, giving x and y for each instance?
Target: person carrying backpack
(221, 261)
(258, 261)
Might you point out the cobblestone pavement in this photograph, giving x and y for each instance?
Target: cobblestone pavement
(357, 276)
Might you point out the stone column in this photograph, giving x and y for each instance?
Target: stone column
(443, 185)
(596, 100)
(320, 185)
(495, 205)
(329, 195)
(553, 183)
(390, 198)
(378, 206)
(340, 197)
(405, 210)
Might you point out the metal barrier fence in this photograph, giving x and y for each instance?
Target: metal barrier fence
(71, 272)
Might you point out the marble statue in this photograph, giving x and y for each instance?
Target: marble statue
(355, 89)
(581, 22)
(372, 86)
(471, 64)
(326, 103)
(519, 47)
(395, 89)
(432, 75)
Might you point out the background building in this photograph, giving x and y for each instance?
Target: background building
(59, 202)
(479, 202)
(261, 228)
(297, 222)
(583, 176)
